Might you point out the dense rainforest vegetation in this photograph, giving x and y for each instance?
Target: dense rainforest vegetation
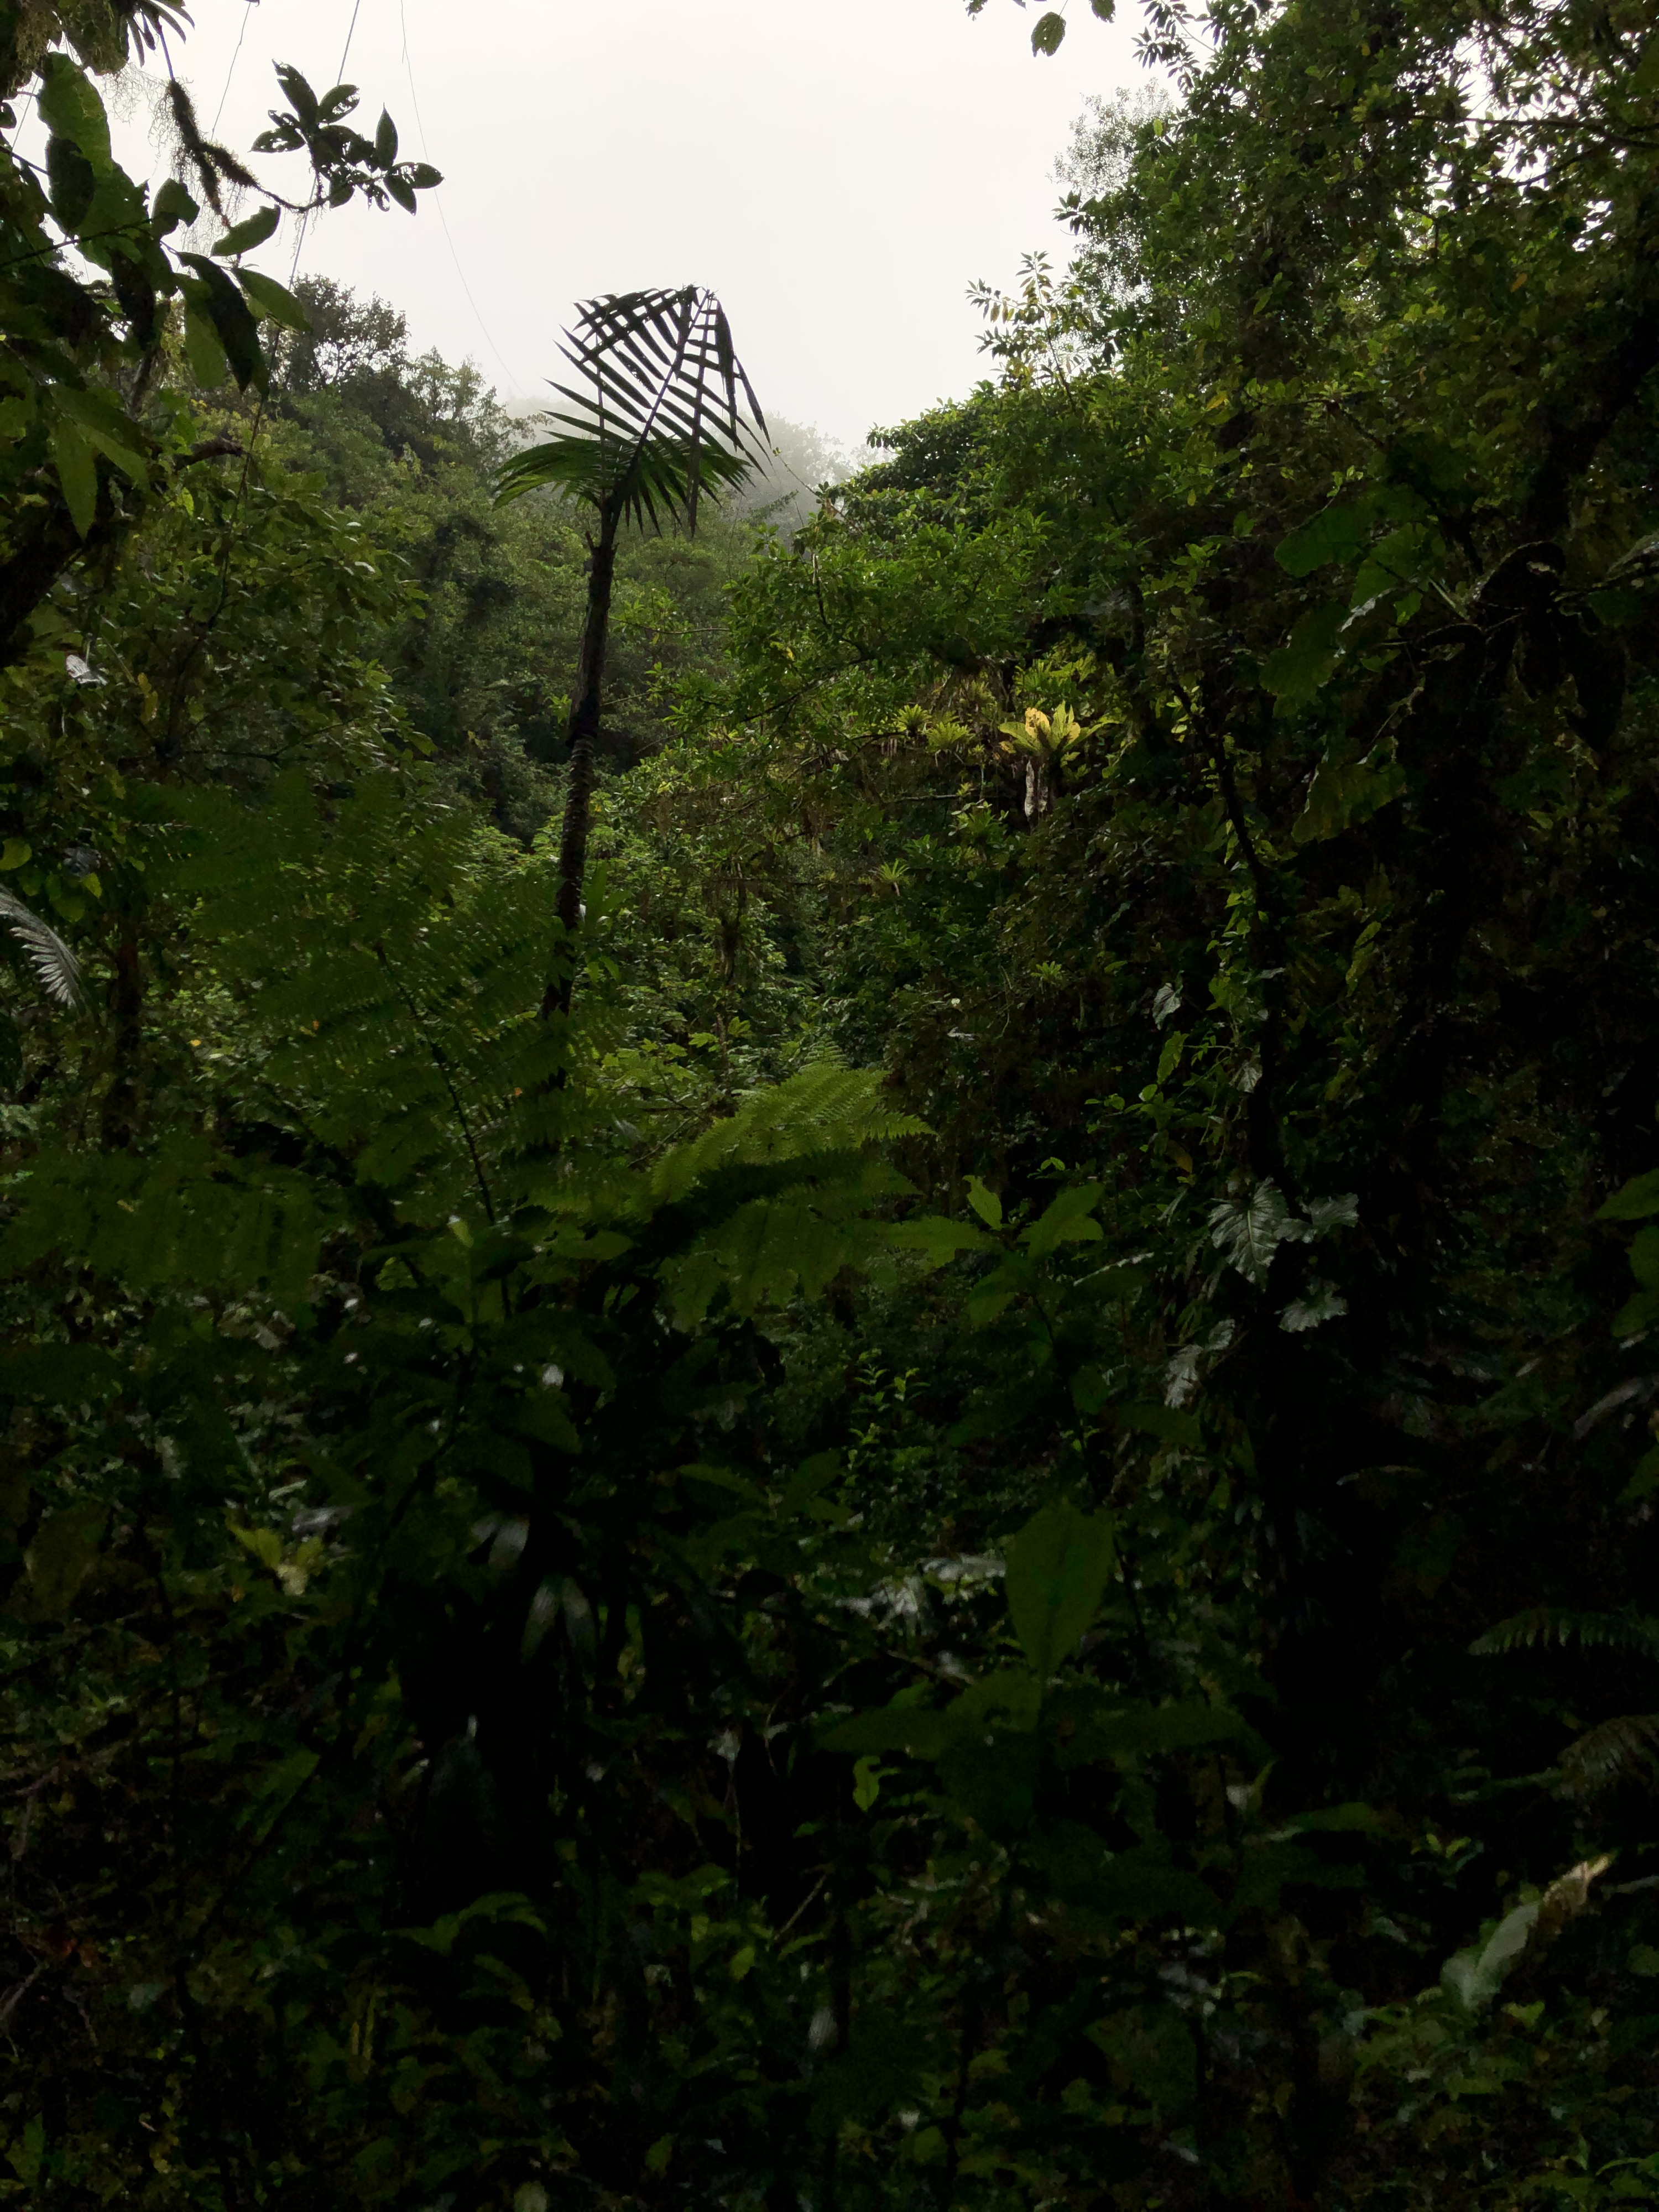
(952, 1505)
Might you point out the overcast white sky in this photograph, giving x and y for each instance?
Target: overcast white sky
(838, 170)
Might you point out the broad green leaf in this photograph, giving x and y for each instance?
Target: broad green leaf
(1322, 1303)
(1295, 673)
(244, 236)
(1345, 791)
(77, 472)
(73, 181)
(1247, 1232)
(941, 1239)
(1167, 1423)
(1104, 9)
(1635, 1200)
(918, 1730)
(985, 1203)
(1047, 32)
(1057, 1566)
(217, 298)
(1340, 533)
(203, 352)
(267, 297)
(108, 429)
(385, 140)
(173, 205)
(1477, 1975)
(1065, 1221)
(69, 104)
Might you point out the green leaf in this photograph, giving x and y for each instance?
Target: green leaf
(1247, 1232)
(244, 236)
(1345, 791)
(1047, 32)
(422, 176)
(941, 1239)
(898, 1727)
(1635, 1200)
(73, 182)
(402, 191)
(203, 352)
(1322, 1303)
(1104, 9)
(1300, 667)
(1058, 1565)
(985, 1203)
(1065, 1221)
(70, 107)
(385, 140)
(1340, 533)
(111, 432)
(215, 296)
(173, 205)
(267, 297)
(77, 472)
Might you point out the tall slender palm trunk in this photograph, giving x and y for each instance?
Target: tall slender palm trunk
(584, 735)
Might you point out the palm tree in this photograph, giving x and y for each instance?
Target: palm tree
(656, 422)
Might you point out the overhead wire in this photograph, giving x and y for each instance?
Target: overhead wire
(248, 7)
(339, 78)
(415, 101)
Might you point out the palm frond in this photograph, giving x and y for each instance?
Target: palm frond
(662, 409)
(1546, 1624)
(1612, 1749)
(53, 963)
(662, 475)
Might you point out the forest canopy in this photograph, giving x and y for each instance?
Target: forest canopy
(949, 1502)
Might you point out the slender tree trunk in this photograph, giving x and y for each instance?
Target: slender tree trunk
(584, 733)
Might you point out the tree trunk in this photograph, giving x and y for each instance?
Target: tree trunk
(579, 791)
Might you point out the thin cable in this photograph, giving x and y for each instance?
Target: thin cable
(248, 7)
(351, 28)
(339, 78)
(415, 101)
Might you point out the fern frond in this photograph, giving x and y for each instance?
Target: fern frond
(1546, 1624)
(1604, 1754)
(824, 1110)
(53, 963)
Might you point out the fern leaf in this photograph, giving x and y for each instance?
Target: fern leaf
(1546, 1624)
(824, 1110)
(1604, 1754)
(54, 963)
